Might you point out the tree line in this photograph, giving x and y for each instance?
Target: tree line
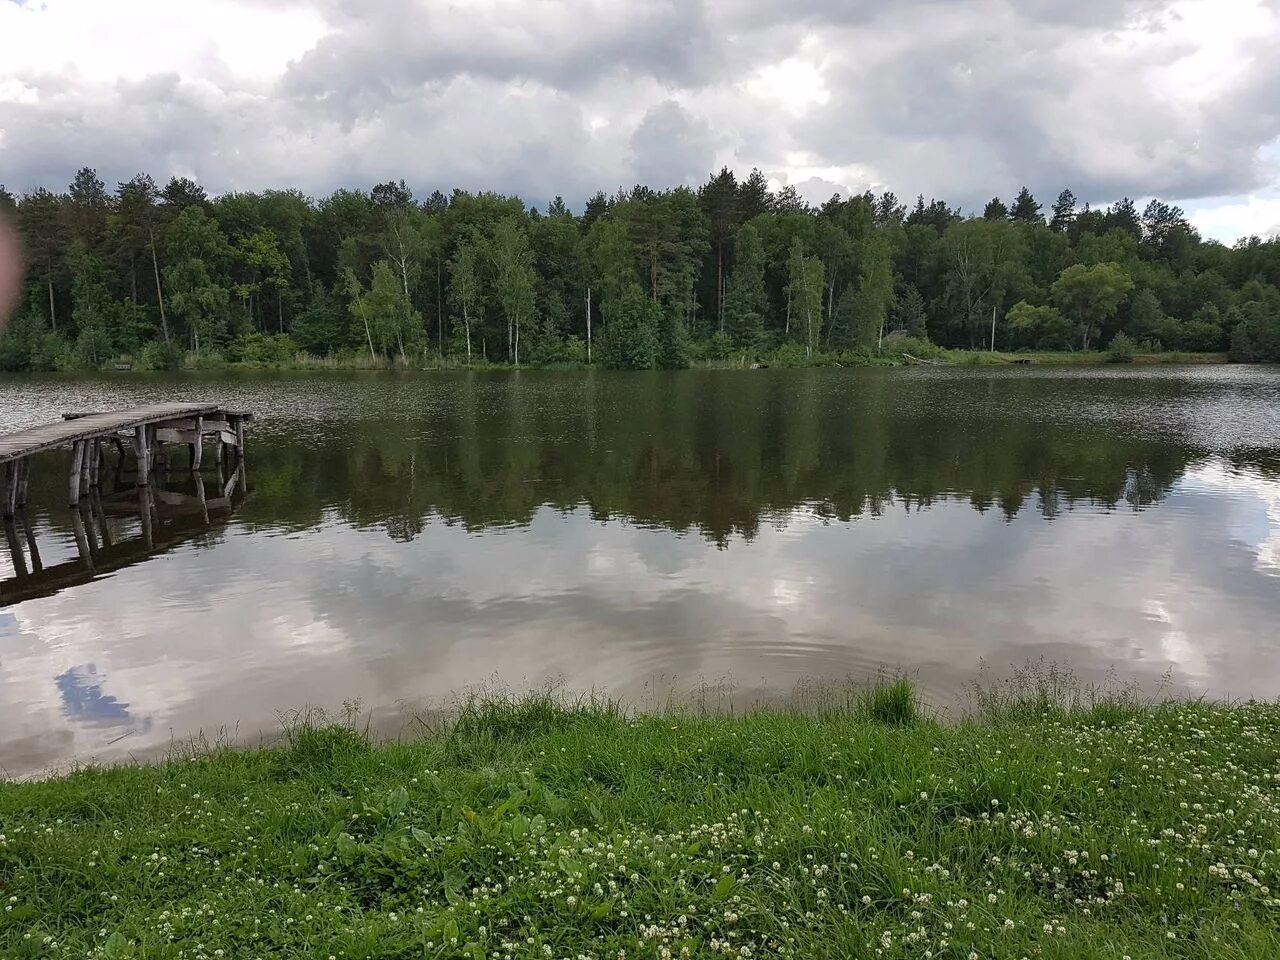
(731, 271)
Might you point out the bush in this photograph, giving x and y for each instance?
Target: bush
(159, 356)
(1241, 349)
(204, 360)
(1122, 349)
(268, 350)
(899, 345)
(789, 355)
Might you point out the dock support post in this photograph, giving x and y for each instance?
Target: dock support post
(82, 540)
(24, 481)
(9, 488)
(77, 468)
(100, 517)
(145, 505)
(15, 547)
(197, 448)
(36, 565)
(142, 450)
(204, 502)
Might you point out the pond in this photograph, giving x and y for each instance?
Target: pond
(727, 534)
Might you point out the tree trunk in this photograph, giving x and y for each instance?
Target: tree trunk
(720, 283)
(510, 339)
(368, 335)
(787, 331)
(466, 322)
(53, 311)
(588, 326)
(440, 317)
(155, 266)
(517, 340)
(279, 311)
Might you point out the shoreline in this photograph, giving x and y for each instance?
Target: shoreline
(1052, 821)
(940, 357)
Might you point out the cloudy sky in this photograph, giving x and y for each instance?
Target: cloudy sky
(1175, 98)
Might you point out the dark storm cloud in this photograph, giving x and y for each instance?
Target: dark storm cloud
(395, 48)
(949, 98)
(670, 146)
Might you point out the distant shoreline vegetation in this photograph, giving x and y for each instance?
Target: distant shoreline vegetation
(279, 352)
(729, 274)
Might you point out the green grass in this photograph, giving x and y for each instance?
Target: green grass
(1045, 825)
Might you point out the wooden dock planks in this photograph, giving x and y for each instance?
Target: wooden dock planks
(24, 443)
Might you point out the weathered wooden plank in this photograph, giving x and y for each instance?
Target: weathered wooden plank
(15, 446)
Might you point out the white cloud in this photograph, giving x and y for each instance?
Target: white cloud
(1109, 97)
(1239, 217)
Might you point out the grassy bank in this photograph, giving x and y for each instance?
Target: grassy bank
(532, 829)
(895, 352)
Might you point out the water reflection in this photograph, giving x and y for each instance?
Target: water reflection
(638, 533)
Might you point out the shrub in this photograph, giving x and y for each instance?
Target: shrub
(157, 355)
(268, 350)
(1122, 349)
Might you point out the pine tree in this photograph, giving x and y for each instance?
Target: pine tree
(753, 196)
(911, 314)
(1025, 209)
(745, 301)
(995, 209)
(1064, 212)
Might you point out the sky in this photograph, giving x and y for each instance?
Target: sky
(1178, 99)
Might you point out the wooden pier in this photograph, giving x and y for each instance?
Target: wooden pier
(99, 489)
(145, 429)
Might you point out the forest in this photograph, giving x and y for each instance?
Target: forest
(731, 273)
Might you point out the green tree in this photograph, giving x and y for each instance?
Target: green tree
(1089, 295)
(1037, 326)
(745, 301)
(720, 201)
(465, 287)
(911, 313)
(137, 224)
(514, 277)
(1025, 209)
(264, 270)
(805, 283)
(198, 300)
(632, 331)
(995, 210)
(1064, 212)
(981, 261)
(40, 218)
(394, 322)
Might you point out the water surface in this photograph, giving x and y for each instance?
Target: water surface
(406, 537)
